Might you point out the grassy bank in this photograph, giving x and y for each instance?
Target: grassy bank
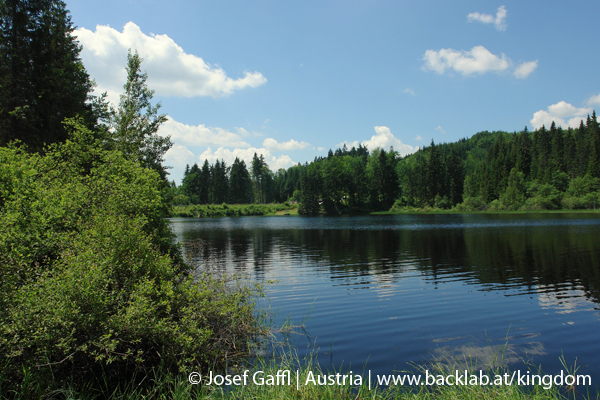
(357, 386)
(233, 210)
(164, 386)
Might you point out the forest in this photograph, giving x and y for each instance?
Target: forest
(546, 169)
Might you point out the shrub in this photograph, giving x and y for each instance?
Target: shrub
(92, 286)
(472, 204)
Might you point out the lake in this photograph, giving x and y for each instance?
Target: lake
(388, 290)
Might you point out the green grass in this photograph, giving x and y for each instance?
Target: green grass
(233, 210)
(307, 390)
(169, 387)
(162, 385)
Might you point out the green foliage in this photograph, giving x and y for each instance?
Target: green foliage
(136, 121)
(311, 188)
(240, 184)
(514, 195)
(42, 79)
(91, 284)
(229, 210)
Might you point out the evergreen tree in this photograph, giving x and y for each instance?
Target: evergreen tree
(220, 182)
(570, 153)
(434, 171)
(191, 183)
(558, 149)
(240, 183)
(456, 177)
(523, 160)
(42, 79)
(582, 150)
(593, 132)
(204, 183)
(311, 189)
(262, 179)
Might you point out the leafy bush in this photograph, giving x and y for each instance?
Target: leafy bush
(472, 204)
(542, 197)
(91, 285)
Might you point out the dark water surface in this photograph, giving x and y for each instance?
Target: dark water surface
(388, 290)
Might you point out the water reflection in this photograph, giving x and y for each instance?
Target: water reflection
(427, 285)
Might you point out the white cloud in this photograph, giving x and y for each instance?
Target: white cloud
(498, 21)
(594, 100)
(439, 128)
(178, 156)
(524, 69)
(201, 135)
(171, 71)
(409, 91)
(275, 162)
(292, 144)
(477, 60)
(418, 137)
(383, 138)
(562, 113)
(282, 161)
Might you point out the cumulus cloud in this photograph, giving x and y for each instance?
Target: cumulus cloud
(202, 135)
(171, 71)
(526, 68)
(439, 128)
(275, 162)
(292, 144)
(418, 137)
(178, 157)
(594, 100)
(383, 138)
(478, 60)
(499, 20)
(562, 113)
(409, 91)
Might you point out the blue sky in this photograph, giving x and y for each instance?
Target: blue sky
(292, 79)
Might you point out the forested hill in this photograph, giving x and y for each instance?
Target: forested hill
(549, 168)
(544, 169)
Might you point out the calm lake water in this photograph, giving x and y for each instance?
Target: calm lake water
(386, 290)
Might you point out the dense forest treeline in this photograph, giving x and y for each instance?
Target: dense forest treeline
(235, 184)
(545, 169)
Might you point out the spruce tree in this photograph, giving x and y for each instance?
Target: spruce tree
(42, 78)
(239, 183)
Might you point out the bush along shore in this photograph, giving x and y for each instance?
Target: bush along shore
(94, 296)
(233, 210)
